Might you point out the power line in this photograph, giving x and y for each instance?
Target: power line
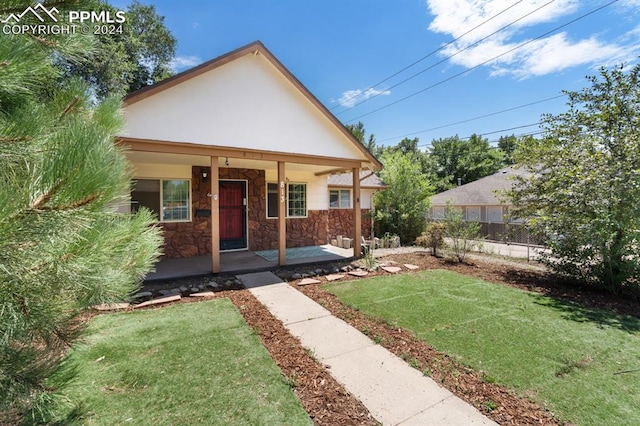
(473, 119)
(482, 135)
(485, 62)
(449, 57)
(422, 59)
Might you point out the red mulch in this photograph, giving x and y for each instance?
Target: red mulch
(497, 402)
(328, 403)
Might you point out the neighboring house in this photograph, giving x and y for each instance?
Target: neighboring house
(481, 201)
(341, 201)
(236, 154)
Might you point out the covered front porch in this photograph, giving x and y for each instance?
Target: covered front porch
(245, 261)
(234, 155)
(264, 213)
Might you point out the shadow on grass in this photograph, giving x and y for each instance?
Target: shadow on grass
(578, 312)
(574, 292)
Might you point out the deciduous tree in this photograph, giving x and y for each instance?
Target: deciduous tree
(126, 61)
(584, 197)
(402, 208)
(467, 160)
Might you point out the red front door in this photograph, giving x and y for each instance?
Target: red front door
(233, 229)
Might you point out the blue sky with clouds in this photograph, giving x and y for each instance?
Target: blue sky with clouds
(474, 58)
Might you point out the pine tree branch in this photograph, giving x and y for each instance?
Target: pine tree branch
(72, 206)
(69, 107)
(49, 4)
(42, 40)
(43, 199)
(7, 139)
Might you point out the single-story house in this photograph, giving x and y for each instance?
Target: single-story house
(236, 154)
(340, 202)
(481, 201)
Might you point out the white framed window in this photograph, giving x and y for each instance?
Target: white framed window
(340, 198)
(296, 200)
(473, 214)
(169, 199)
(437, 212)
(494, 214)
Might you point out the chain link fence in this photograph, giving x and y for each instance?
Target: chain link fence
(507, 233)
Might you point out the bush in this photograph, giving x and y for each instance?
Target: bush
(433, 237)
(463, 235)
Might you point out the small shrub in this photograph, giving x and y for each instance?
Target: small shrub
(463, 235)
(489, 405)
(369, 259)
(433, 237)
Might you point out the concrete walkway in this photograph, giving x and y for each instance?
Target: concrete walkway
(394, 393)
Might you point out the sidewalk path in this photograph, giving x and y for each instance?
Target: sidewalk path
(394, 392)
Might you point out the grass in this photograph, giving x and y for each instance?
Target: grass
(581, 363)
(196, 363)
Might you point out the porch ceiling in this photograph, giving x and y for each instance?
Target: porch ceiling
(200, 160)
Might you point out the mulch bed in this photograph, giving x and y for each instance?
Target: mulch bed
(328, 403)
(497, 402)
(326, 400)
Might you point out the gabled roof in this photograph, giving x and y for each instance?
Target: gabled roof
(367, 180)
(255, 48)
(481, 192)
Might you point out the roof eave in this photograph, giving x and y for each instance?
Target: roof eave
(255, 48)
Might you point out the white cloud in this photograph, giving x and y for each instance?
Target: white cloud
(180, 63)
(547, 55)
(352, 97)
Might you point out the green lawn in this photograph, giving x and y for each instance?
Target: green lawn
(187, 364)
(568, 355)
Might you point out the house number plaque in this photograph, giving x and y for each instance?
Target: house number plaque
(282, 197)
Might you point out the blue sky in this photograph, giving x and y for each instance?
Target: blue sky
(340, 48)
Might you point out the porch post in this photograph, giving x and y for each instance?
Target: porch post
(215, 217)
(357, 214)
(282, 211)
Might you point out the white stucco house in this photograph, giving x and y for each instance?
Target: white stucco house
(236, 154)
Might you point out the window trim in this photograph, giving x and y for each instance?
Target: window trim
(469, 209)
(189, 202)
(437, 212)
(340, 190)
(287, 216)
(493, 208)
(161, 195)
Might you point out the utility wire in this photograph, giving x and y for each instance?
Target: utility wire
(423, 58)
(485, 62)
(448, 57)
(471, 119)
(482, 135)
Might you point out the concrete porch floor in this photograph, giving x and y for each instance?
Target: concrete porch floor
(240, 261)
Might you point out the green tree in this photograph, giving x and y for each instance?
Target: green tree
(63, 246)
(360, 133)
(584, 197)
(140, 56)
(467, 160)
(508, 144)
(402, 208)
(463, 235)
